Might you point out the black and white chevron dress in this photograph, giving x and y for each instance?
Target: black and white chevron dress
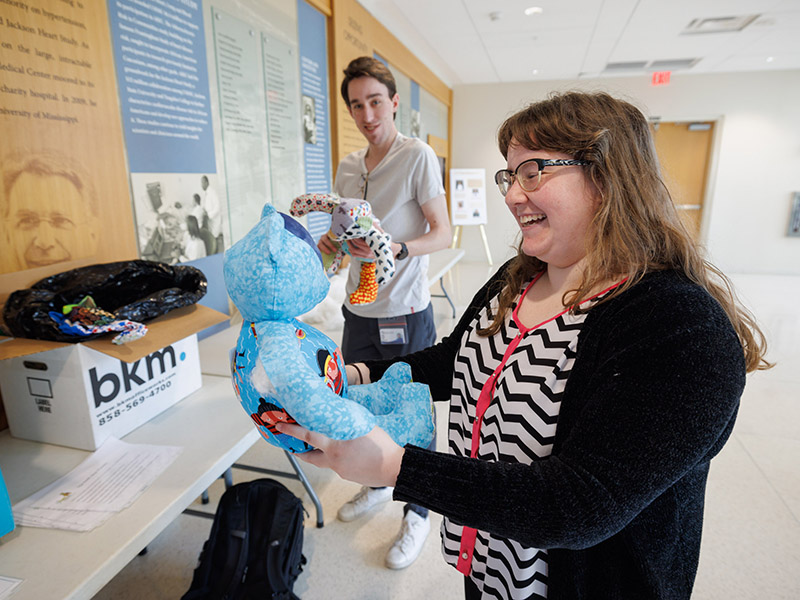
(518, 376)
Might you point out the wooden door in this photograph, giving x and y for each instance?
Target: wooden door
(684, 150)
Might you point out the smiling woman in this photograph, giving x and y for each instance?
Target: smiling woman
(591, 380)
(48, 212)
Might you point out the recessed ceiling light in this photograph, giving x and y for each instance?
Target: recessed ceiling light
(535, 71)
(770, 58)
(533, 10)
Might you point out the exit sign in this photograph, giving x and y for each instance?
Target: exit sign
(661, 77)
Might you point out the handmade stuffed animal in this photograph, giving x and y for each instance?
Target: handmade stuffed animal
(285, 370)
(351, 219)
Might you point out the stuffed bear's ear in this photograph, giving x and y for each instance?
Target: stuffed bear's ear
(267, 210)
(276, 231)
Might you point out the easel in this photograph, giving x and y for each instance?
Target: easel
(457, 241)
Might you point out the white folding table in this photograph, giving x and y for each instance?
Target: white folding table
(72, 565)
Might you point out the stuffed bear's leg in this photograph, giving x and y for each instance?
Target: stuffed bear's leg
(381, 246)
(367, 290)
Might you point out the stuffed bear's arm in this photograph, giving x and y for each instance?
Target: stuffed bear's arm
(302, 205)
(301, 389)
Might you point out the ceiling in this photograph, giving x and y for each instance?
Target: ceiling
(493, 41)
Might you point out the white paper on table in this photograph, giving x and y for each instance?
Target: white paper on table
(7, 586)
(49, 518)
(110, 479)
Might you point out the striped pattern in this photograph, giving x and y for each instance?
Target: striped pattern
(519, 426)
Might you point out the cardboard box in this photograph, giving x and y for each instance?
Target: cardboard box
(78, 395)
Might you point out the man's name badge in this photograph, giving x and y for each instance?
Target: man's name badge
(393, 330)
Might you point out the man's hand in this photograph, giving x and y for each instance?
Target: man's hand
(327, 246)
(360, 249)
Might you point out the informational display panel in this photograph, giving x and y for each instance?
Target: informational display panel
(64, 200)
(243, 118)
(468, 196)
(160, 52)
(284, 123)
(162, 76)
(311, 30)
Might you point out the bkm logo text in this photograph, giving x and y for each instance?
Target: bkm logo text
(113, 383)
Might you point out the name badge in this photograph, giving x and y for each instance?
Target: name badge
(393, 330)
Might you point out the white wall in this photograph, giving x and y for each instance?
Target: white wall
(755, 163)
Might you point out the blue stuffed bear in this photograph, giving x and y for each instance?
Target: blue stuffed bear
(285, 370)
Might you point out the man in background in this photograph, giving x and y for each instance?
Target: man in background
(401, 178)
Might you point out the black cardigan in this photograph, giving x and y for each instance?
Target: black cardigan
(652, 397)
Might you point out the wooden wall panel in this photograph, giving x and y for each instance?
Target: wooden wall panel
(323, 6)
(65, 201)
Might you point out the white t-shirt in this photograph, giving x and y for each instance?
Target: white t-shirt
(407, 177)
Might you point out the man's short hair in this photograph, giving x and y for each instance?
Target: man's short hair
(366, 66)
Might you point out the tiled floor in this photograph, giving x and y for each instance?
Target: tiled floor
(751, 542)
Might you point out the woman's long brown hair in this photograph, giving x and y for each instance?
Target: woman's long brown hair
(637, 228)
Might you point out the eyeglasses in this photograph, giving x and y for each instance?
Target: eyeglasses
(529, 173)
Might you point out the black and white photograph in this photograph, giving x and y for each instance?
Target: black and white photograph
(179, 216)
(309, 120)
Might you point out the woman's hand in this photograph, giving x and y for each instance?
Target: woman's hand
(373, 459)
(352, 375)
(357, 373)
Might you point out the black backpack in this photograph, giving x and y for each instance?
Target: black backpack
(255, 547)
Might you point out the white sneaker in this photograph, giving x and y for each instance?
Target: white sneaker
(363, 501)
(408, 545)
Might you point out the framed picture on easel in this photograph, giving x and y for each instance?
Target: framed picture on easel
(468, 203)
(468, 196)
